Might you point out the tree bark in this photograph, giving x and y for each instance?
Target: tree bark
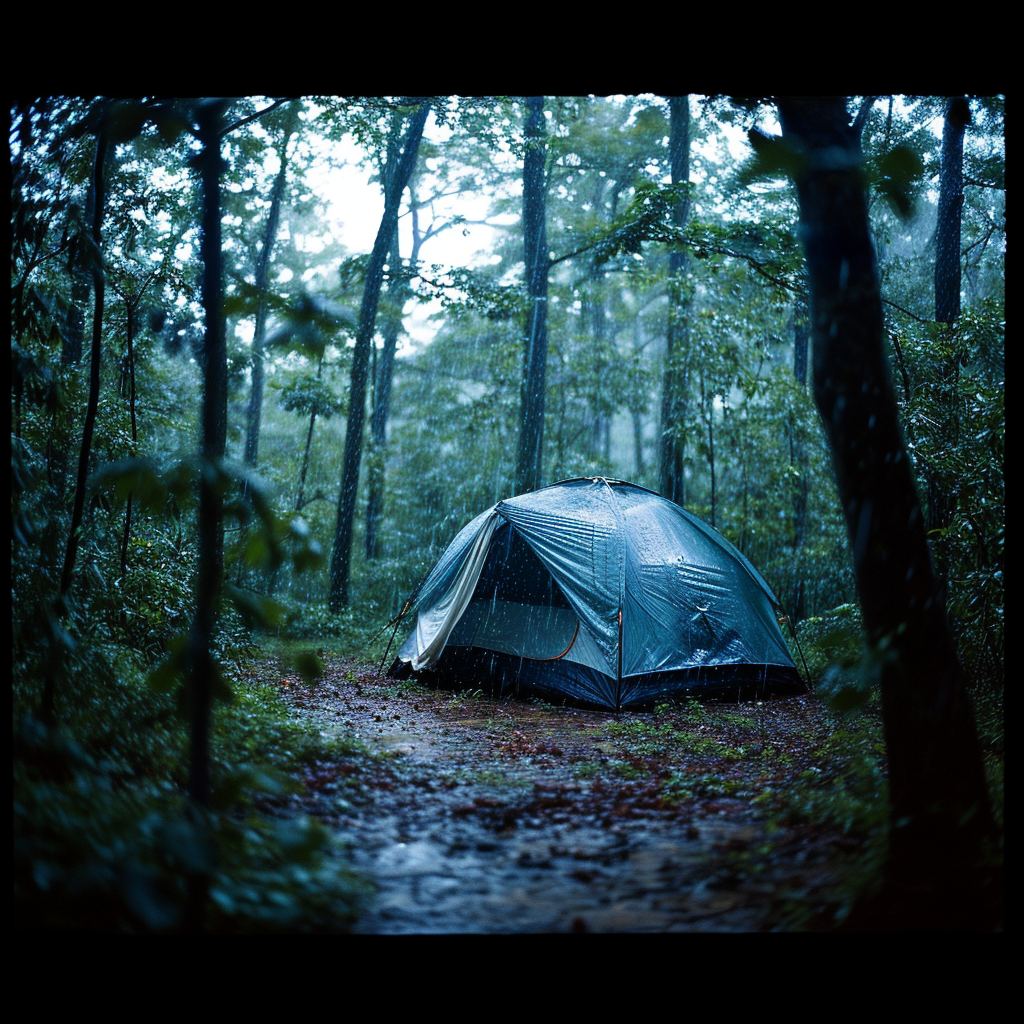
(309, 443)
(94, 365)
(81, 283)
(796, 609)
(214, 438)
(951, 201)
(49, 694)
(131, 304)
(130, 332)
(939, 809)
(672, 481)
(342, 550)
(254, 411)
(535, 250)
(398, 291)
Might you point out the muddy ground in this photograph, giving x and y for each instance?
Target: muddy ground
(480, 816)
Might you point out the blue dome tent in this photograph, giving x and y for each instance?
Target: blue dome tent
(600, 592)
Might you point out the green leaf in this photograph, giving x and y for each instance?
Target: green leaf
(166, 676)
(774, 157)
(309, 665)
(189, 842)
(255, 609)
(148, 899)
(124, 120)
(138, 477)
(220, 688)
(229, 790)
(306, 555)
(260, 552)
(897, 172)
(902, 164)
(846, 690)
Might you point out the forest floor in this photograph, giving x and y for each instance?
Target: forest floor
(472, 815)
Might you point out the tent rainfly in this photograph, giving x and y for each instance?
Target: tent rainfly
(600, 592)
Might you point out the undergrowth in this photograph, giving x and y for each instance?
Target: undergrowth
(106, 840)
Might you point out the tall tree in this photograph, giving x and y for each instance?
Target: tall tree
(535, 249)
(209, 116)
(80, 268)
(676, 378)
(939, 809)
(92, 242)
(398, 292)
(798, 453)
(316, 398)
(254, 410)
(95, 261)
(131, 299)
(951, 201)
(341, 552)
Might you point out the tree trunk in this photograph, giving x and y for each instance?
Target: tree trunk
(48, 699)
(94, 366)
(214, 437)
(638, 444)
(939, 809)
(382, 374)
(711, 444)
(535, 250)
(398, 294)
(202, 668)
(130, 331)
(309, 442)
(254, 411)
(342, 550)
(305, 461)
(796, 608)
(81, 284)
(951, 201)
(673, 401)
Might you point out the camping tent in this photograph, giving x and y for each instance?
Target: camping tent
(599, 591)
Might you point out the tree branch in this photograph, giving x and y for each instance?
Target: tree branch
(36, 260)
(862, 114)
(984, 184)
(257, 115)
(754, 263)
(913, 316)
(983, 242)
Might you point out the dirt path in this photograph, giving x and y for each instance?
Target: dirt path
(498, 816)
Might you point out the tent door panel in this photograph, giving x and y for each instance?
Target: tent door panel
(517, 607)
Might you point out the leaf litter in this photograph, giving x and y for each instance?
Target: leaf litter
(474, 815)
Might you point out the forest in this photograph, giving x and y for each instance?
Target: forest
(270, 354)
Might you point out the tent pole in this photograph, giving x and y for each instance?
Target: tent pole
(387, 650)
(397, 620)
(807, 673)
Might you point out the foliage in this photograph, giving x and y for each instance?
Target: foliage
(104, 837)
(955, 418)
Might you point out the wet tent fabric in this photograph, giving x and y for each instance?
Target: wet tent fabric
(600, 591)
